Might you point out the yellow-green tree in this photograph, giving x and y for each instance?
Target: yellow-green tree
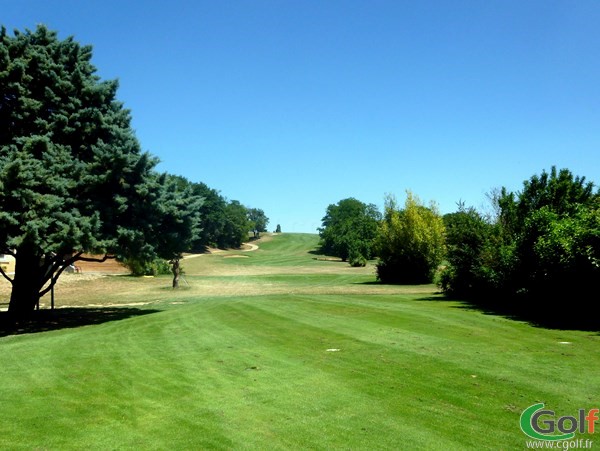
(411, 241)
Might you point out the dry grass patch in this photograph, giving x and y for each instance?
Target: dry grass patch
(226, 273)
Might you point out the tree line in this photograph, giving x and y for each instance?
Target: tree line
(222, 223)
(74, 181)
(537, 254)
(408, 241)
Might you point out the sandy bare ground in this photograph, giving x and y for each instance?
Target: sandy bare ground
(69, 285)
(246, 247)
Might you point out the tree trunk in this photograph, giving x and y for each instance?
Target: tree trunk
(26, 283)
(176, 271)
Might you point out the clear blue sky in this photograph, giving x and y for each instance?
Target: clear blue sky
(290, 106)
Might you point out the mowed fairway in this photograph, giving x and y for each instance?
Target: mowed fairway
(279, 348)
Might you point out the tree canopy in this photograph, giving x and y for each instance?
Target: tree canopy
(411, 242)
(73, 178)
(349, 229)
(541, 249)
(258, 221)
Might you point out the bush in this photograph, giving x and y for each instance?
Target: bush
(540, 254)
(466, 234)
(566, 252)
(356, 259)
(147, 268)
(410, 242)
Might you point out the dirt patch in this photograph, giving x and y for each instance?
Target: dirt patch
(70, 279)
(110, 266)
(235, 256)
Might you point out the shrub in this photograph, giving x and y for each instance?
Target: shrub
(356, 259)
(466, 234)
(410, 242)
(147, 268)
(540, 254)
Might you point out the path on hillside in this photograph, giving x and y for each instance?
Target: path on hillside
(252, 247)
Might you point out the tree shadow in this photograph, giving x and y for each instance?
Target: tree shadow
(329, 259)
(398, 284)
(200, 249)
(438, 297)
(316, 252)
(509, 309)
(320, 256)
(66, 318)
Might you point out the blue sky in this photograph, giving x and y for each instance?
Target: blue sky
(290, 106)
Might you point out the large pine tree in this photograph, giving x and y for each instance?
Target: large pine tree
(73, 178)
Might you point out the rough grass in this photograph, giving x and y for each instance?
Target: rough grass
(239, 360)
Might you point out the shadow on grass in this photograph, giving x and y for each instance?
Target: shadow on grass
(66, 318)
(436, 295)
(551, 319)
(318, 255)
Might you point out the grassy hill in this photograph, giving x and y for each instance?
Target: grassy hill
(279, 348)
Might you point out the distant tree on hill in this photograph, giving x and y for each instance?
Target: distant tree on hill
(223, 223)
(73, 178)
(212, 217)
(349, 229)
(258, 221)
(278, 229)
(236, 226)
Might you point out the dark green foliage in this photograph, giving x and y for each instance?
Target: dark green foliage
(224, 224)
(410, 242)
(212, 216)
(73, 178)
(236, 226)
(466, 235)
(278, 229)
(550, 225)
(174, 219)
(349, 227)
(356, 259)
(172, 222)
(543, 245)
(559, 192)
(561, 253)
(147, 268)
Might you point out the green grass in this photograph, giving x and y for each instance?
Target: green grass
(212, 370)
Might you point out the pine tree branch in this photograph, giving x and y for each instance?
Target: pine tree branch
(56, 266)
(55, 275)
(94, 260)
(5, 275)
(59, 266)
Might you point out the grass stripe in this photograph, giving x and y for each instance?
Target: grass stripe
(249, 371)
